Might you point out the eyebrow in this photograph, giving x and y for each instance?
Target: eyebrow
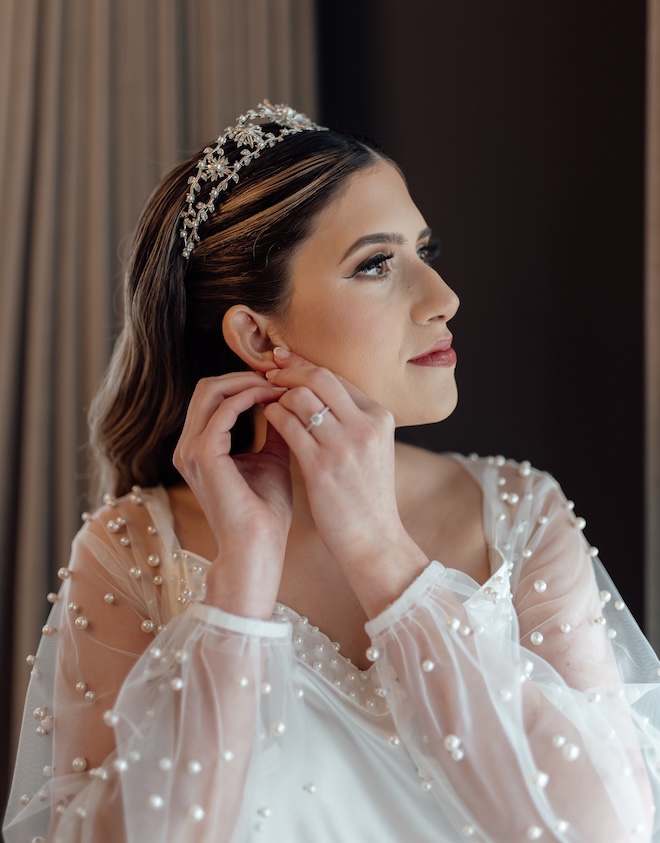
(382, 237)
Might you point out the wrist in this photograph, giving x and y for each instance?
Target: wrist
(245, 580)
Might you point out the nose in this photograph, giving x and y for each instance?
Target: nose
(435, 300)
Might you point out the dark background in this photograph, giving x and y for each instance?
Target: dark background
(520, 128)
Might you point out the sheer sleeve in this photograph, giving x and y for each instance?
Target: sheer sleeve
(148, 713)
(531, 704)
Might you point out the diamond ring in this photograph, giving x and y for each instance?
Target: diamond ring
(317, 418)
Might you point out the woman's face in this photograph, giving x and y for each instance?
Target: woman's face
(366, 304)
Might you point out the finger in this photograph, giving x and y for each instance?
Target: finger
(290, 428)
(285, 358)
(224, 417)
(342, 397)
(307, 406)
(211, 392)
(275, 445)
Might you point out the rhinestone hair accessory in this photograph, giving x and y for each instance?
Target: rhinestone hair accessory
(250, 137)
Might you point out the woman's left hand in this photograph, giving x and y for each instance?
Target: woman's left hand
(347, 462)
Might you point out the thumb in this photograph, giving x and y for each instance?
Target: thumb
(287, 359)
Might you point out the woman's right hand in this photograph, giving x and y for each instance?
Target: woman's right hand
(246, 498)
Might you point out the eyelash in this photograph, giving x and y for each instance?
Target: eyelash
(427, 253)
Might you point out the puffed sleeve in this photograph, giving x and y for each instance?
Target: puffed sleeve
(531, 704)
(148, 713)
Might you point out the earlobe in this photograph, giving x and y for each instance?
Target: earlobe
(248, 334)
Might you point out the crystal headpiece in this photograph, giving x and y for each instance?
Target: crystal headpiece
(250, 137)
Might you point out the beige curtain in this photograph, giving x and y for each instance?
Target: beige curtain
(653, 328)
(97, 99)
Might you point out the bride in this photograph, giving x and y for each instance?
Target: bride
(282, 625)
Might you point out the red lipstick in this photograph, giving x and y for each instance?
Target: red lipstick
(441, 354)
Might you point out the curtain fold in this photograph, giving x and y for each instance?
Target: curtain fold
(97, 99)
(652, 308)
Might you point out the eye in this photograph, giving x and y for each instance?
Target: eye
(429, 251)
(375, 266)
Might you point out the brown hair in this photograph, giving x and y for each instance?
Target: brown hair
(173, 307)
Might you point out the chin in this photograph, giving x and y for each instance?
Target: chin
(430, 413)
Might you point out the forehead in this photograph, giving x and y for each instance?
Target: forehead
(373, 199)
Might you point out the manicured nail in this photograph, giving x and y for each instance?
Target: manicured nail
(271, 373)
(281, 353)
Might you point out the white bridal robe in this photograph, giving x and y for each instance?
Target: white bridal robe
(525, 708)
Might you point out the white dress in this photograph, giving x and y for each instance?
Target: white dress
(523, 709)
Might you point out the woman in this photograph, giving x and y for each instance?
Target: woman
(282, 318)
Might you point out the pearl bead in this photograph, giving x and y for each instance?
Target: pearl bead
(152, 530)
(542, 519)
(177, 683)
(534, 832)
(156, 802)
(113, 526)
(90, 696)
(536, 638)
(373, 653)
(395, 740)
(110, 718)
(153, 560)
(593, 552)
(611, 633)
(560, 826)
(580, 523)
(135, 572)
(38, 840)
(452, 742)
(600, 620)
(165, 764)
(277, 728)
(525, 468)
(64, 573)
(81, 622)
(243, 682)
(30, 660)
(227, 755)
(565, 627)
(134, 756)
(48, 630)
(147, 626)
(540, 586)
(527, 553)
(195, 813)
(427, 665)
(500, 516)
(310, 787)
(458, 754)
(51, 597)
(79, 764)
(194, 767)
(109, 597)
(158, 580)
(500, 461)
(427, 784)
(570, 504)
(266, 688)
(540, 779)
(265, 812)
(40, 713)
(513, 498)
(505, 694)
(124, 541)
(605, 596)
(48, 771)
(571, 752)
(468, 830)
(619, 605)
(81, 687)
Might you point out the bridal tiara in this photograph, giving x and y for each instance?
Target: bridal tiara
(250, 137)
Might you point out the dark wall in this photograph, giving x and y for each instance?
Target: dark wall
(520, 128)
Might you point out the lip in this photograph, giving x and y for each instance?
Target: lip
(440, 354)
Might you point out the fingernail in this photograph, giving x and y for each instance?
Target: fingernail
(271, 373)
(281, 353)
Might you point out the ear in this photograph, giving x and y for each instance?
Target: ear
(251, 335)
